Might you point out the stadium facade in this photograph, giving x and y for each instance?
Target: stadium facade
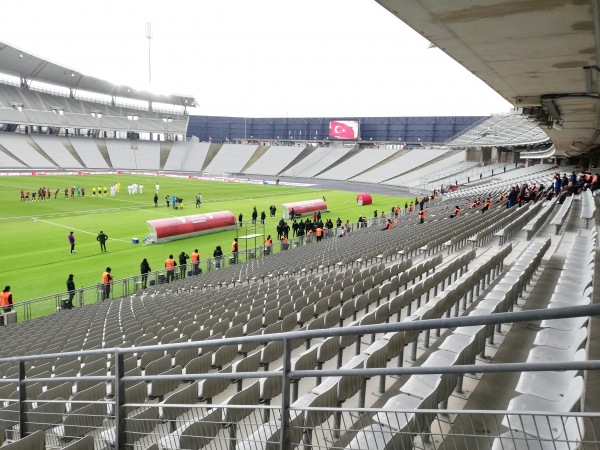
(377, 129)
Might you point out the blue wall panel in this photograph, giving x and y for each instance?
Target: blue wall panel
(377, 129)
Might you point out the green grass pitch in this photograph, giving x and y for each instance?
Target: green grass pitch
(34, 249)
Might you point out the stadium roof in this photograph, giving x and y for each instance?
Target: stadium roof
(501, 130)
(541, 55)
(29, 67)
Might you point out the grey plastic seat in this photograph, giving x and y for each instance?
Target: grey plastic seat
(83, 420)
(35, 441)
(546, 385)
(561, 339)
(196, 434)
(137, 426)
(544, 427)
(517, 440)
(187, 395)
(85, 443)
(45, 416)
(379, 437)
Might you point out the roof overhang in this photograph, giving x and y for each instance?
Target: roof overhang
(29, 67)
(537, 54)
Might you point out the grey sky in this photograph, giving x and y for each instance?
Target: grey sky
(269, 58)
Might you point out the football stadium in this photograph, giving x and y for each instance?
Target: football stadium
(185, 281)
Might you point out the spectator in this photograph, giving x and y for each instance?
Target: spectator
(170, 266)
(241, 219)
(71, 290)
(183, 257)
(218, 255)
(156, 200)
(144, 270)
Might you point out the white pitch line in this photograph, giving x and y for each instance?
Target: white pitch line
(75, 229)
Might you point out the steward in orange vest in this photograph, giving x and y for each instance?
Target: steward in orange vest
(268, 245)
(195, 261)
(6, 300)
(106, 282)
(422, 215)
(170, 266)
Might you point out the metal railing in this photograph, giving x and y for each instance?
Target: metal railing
(29, 309)
(281, 426)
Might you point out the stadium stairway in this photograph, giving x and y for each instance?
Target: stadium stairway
(260, 150)
(165, 150)
(38, 149)
(303, 155)
(65, 141)
(213, 149)
(385, 161)
(101, 144)
(346, 157)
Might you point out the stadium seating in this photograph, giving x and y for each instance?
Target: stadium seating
(366, 278)
(274, 160)
(88, 152)
(358, 163)
(318, 161)
(20, 149)
(398, 166)
(231, 158)
(55, 149)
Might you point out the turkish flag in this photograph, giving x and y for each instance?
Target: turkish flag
(341, 130)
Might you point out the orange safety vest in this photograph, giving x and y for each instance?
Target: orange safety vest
(234, 247)
(4, 299)
(389, 225)
(170, 264)
(106, 277)
(422, 214)
(195, 257)
(457, 212)
(284, 240)
(319, 231)
(268, 242)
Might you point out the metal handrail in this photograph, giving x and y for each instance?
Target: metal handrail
(288, 375)
(130, 285)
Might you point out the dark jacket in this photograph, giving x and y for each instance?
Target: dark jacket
(145, 267)
(70, 284)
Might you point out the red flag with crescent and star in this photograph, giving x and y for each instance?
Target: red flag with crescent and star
(342, 130)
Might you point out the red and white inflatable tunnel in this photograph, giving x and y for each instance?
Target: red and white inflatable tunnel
(364, 199)
(173, 228)
(303, 208)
